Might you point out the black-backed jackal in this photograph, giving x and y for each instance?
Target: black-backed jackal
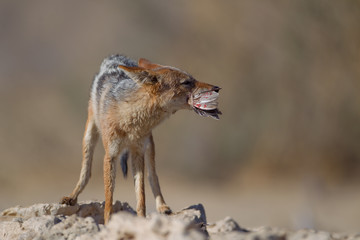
(127, 101)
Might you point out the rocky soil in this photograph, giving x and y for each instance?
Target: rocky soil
(85, 221)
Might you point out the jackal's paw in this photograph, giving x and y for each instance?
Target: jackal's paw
(68, 201)
(164, 209)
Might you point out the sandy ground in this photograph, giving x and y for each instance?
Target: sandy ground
(266, 203)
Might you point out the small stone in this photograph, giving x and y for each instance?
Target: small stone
(226, 225)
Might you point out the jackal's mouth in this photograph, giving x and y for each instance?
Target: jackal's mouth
(205, 103)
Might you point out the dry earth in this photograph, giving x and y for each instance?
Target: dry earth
(85, 221)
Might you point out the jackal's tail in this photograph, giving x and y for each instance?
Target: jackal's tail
(124, 163)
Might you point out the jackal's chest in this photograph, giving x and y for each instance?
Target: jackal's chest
(138, 121)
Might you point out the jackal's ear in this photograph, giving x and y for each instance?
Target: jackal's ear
(139, 74)
(144, 63)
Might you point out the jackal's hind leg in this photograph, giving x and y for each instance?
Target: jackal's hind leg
(89, 141)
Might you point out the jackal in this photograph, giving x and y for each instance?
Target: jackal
(127, 101)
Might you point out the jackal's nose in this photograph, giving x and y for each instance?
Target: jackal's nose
(216, 88)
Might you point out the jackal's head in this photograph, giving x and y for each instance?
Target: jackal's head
(175, 89)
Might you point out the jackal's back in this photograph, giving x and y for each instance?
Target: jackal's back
(111, 83)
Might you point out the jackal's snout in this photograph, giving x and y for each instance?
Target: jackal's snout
(216, 89)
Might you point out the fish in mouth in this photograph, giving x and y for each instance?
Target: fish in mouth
(205, 103)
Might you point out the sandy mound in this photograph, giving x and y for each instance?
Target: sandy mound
(85, 221)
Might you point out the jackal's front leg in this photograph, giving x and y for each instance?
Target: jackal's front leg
(137, 161)
(153, 178)
(109, 184)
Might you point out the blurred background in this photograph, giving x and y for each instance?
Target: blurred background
(286, 150)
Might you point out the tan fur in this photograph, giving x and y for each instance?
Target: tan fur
(127, 125)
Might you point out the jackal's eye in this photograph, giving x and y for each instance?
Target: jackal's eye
(153, 79)
(187, 82)
(150, 79)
